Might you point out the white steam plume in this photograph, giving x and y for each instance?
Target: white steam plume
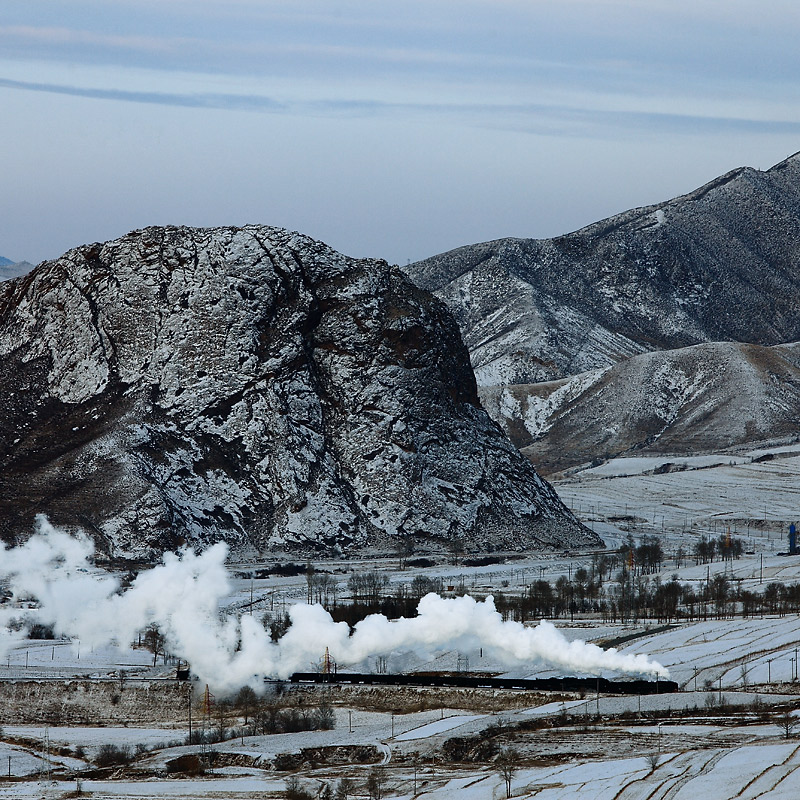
(182, 596)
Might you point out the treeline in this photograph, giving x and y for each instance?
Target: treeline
(631, 598)
(621, 585)
(369, 593)
(275, 712)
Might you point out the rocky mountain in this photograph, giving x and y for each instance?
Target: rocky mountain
(569, 336)
(250, 384)
(705, 398)
(719, 264)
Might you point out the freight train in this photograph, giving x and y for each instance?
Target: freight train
(461, 680)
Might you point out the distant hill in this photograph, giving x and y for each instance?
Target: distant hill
(583, 345)
(705, 398)
(13, 269)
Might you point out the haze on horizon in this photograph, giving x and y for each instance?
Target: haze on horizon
(391, 130)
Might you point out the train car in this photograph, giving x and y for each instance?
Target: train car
(460, 680)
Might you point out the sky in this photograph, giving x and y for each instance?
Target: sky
(394, 130)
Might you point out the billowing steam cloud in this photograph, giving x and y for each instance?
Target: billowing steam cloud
(182, 597)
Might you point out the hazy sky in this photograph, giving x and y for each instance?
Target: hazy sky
(393, 129)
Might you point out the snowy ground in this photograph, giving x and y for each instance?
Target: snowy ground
(757, 499)
(60, 658)
(699, 757)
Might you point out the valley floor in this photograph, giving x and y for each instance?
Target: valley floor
(723, 735)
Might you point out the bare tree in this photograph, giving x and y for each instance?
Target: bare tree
(296, 791)
(376, 783)
(507, 764)
(344, 789)
(456, 548)
(404, 548)
(652, 761)
(246, 701)
(787, 722)
(154, 641)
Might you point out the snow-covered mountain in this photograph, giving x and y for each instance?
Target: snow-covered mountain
(253, 385)
(719, 264)
(565, 334)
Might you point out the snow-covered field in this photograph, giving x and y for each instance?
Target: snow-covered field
(758, 771)
(734, 660)
(757, 498)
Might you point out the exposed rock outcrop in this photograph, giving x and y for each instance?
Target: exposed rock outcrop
(250, 384)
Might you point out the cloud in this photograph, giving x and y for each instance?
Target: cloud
(527, 117)
(31, 34)
(200, 100)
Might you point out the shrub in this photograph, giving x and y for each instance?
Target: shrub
(110, 754)
(295, 790)
(189, 764)
(39, 631)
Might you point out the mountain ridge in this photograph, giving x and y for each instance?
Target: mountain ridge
(716, 264)
(13, 269)
(557, 326)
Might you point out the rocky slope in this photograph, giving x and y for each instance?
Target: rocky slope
(567, 335)
(719, 264)
(705, 398)
(250, 384)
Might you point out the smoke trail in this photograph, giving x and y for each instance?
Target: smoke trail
(182, 596)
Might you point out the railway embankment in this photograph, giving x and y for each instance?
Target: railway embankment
(92, 702)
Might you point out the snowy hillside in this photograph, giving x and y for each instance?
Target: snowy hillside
(10, 269)
(569, 337)
(704, 398)
(719, 264)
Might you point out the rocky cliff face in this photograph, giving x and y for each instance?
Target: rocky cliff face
(719, 264)
(250, 384)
